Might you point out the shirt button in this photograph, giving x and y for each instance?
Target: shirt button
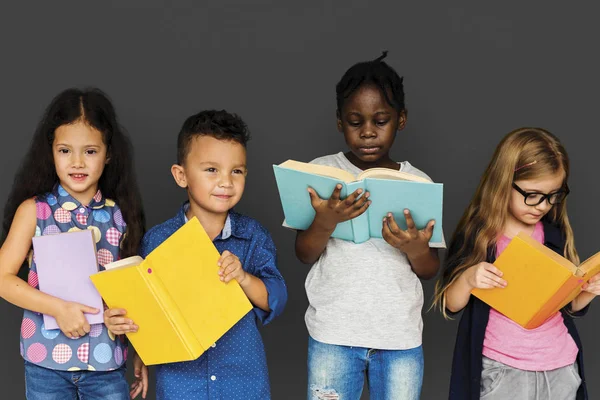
(213, 345)
(81, 210)
(213, 378)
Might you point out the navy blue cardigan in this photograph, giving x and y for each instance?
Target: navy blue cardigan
(465, 379)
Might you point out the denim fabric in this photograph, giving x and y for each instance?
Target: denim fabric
(49, 384)
(338, 372)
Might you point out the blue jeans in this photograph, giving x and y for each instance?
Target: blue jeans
(337, 372)
(48, 384)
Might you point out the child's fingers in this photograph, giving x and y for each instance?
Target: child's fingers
(315, 200)
(335, 196)
(355, 213)
(492, 268)
(350, 200)
(113, 312)
(497, 281)
(428, 231)
(361, 201)
(411, 228)
(223, 257)
(227, 263)
(394, 228)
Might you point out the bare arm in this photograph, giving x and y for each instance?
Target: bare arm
(13, 289)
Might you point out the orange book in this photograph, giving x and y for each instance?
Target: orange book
(539, 281)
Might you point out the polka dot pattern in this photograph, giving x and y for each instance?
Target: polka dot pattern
(37, 353)
(43, 211)
(81, 218)
(102, 353)
(83, 353)
(62, 353)
(51, 230)
(51, 200)
(241, 345)
(113, 236)
(104, 257)
(58, 212)
(96, 330)
(118, 355)
(101, 216)
(118, 216)
(69, 206)
(50, 333)
(62, 215)
(28, 328)
(32, 279)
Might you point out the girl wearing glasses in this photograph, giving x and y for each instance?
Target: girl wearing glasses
(523, 189)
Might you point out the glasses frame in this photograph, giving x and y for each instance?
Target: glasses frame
(545, 196)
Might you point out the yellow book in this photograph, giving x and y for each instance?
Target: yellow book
(175, 296)
(539, 281)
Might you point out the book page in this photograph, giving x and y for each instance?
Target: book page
(126, 262)
(386, 173)
(323, 170)
(591, 266)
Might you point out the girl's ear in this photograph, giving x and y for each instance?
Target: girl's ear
(339, 120)
(401, 120)
(178, 173)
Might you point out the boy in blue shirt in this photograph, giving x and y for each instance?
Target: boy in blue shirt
(211, 166)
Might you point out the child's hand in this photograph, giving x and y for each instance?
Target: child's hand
(484, 276)
(593, 285)
(412, 241)
(231, 268)
(117, 323)
(335, 210)
(140, 371)
(71, 321)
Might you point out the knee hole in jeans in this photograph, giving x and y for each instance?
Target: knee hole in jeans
(324, 394)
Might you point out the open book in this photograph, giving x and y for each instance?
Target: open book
(64, 264)
(390, 191)
(175, 296)
(539, 281)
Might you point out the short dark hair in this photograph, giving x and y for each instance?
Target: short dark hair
(218, 124)
(377, 73)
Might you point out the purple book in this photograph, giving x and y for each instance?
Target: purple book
(64, 264)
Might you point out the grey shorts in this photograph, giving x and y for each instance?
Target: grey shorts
(501, 382)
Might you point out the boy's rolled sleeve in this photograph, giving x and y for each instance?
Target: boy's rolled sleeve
(263, 265)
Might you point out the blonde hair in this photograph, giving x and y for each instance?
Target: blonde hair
(526, 153)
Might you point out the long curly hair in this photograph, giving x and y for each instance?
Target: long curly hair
(37, 174)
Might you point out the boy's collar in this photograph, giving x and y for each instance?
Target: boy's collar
(70, 203)
(232, 226)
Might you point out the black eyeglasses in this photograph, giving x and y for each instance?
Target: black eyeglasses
(535, 198)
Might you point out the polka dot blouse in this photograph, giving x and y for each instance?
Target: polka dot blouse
(99, 350)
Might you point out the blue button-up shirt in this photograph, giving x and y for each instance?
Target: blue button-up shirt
(235, 367)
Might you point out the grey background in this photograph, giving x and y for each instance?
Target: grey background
(472, 73)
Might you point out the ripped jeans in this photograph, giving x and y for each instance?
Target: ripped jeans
(338, 372)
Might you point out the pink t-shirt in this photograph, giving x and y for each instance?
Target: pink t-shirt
(544, 348)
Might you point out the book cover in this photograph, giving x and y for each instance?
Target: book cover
(539, 281)
(64, 263)
(175, 296)
(424, 199)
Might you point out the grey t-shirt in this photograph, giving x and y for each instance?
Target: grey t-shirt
(366, 294)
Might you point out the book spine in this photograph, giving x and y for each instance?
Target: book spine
(170, 309)
(562, 297)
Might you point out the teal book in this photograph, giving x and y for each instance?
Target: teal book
(390, 191)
